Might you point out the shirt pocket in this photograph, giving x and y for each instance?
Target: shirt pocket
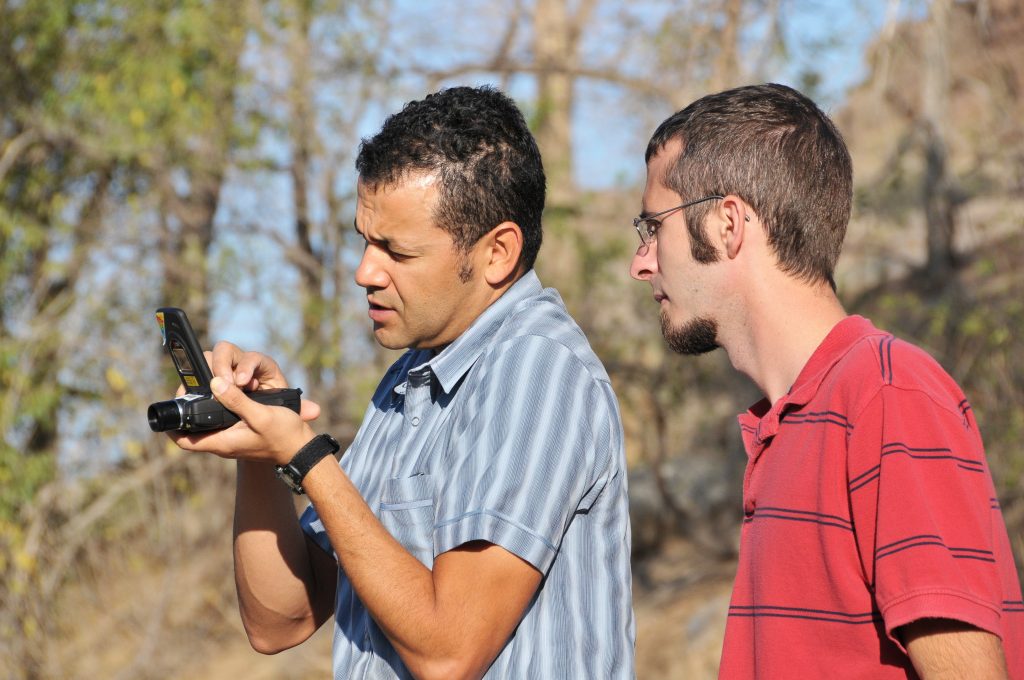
(407, 512)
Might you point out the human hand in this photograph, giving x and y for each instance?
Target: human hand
(271, 434)
(268, 431)
(248, 370)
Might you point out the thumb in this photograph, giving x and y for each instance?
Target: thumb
(232, 398)
(309, 410)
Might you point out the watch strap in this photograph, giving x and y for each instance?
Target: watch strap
(315, 450)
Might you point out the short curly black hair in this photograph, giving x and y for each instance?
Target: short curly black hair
(476, 141)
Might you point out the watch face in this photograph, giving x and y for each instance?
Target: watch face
(303, 461)
(288, 475)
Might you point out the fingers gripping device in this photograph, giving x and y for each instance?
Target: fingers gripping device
(197, 410)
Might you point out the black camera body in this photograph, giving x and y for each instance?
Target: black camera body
(197, 410)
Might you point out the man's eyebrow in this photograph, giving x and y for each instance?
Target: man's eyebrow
(384, 242)
(355, 225)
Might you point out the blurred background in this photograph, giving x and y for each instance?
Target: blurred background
(199, 153)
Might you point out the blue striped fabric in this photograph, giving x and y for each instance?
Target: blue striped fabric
(510, 435)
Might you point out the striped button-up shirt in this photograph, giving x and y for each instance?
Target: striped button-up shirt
(510, 435)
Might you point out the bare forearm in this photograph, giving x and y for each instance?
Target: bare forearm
(434, 618)
(285, 584)
(942, 649)
(404, 603)
(275, 581)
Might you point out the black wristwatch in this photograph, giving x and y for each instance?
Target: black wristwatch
(302, 462)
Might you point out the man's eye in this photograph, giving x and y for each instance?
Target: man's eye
(652, 227)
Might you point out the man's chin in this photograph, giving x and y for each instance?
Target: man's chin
(697, 336)
(388, 340)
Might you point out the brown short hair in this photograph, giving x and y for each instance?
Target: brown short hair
(774, 148)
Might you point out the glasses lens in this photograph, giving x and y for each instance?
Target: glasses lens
(648, 229)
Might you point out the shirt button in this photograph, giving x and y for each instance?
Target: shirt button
(415, 421)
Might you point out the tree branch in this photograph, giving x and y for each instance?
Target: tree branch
(14, 150)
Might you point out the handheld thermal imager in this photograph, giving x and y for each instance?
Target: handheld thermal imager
(197, 410)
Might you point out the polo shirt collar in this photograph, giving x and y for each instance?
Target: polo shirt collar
(761, 421)
(457, 358)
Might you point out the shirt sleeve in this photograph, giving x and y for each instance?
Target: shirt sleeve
(921, 497)
(314, 528)
(530, 450)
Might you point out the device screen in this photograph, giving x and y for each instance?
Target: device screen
(185, 368)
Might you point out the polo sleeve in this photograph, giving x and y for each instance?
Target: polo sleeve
(921, 497)
(530, 451)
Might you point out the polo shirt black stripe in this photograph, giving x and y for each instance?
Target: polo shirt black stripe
(862, 479)
(885, 358)
(756, 611)
(919, 453)
(828, 417)
(904, 540)
(800, 516)
(933, 540)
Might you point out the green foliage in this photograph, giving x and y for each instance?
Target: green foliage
(20, 478)
(99, 101)
(150, 76)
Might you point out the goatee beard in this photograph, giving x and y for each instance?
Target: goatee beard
(698, 336)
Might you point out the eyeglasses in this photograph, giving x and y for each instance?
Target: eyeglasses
(647, 227)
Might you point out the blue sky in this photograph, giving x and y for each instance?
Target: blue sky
(826, 37)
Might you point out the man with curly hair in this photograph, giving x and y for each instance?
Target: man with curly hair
(478, 523)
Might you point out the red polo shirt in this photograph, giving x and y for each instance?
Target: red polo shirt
(868, 505)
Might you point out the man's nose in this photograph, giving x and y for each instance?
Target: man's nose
(369, 273)
(644, 262)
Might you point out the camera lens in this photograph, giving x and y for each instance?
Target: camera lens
(165, 415)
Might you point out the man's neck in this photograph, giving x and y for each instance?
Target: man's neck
(487, 296)
(782, 325)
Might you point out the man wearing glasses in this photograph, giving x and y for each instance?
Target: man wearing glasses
(872, 543)
(478, 524)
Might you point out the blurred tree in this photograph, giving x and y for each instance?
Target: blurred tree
(108, 109)
(938, 182)
(333, 78)
(116, 161)
(102, 105)
(557, 31)
(727, 62)
(938, 123)
(35, 167)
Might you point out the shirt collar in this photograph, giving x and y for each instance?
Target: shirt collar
(457, 358)
(761, 420)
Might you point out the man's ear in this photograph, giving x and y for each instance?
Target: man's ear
(503, 246)
(734, 218)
